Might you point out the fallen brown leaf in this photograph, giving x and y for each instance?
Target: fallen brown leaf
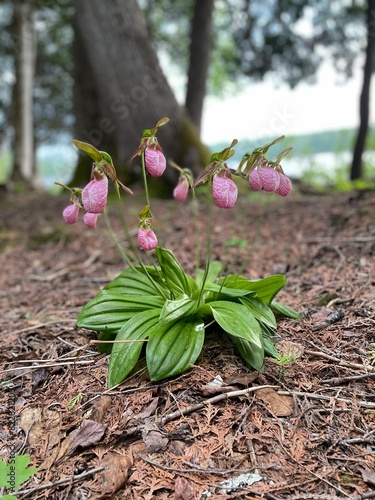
(281, 406)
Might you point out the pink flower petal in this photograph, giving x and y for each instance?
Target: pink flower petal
(147, 239)
(94, 195)
(70, 214)
(224, 191)
(181, 191)
(155, 162)
(269, 178)
(285, 185)
(254, 180)
(90, 220)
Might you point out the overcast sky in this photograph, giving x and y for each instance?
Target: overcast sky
(261, 110)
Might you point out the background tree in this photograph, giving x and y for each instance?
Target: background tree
(364, 105)
(127, 90)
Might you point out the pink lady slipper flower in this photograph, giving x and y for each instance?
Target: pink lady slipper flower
(70, 213)
(147, 239)
(90, 220)
(224, 189)
(269, 178)
(181, 191)
(94, 195)
(155, 162)
(254, 180)
(285, 185)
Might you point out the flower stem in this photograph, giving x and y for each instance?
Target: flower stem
(145, 178)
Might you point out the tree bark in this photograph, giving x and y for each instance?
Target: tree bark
(24, 58)
(120, 88)
(356, 167)
(200, 51)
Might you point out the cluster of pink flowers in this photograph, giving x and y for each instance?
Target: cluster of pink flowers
(93, 200)
(269, 179)
(262, 175)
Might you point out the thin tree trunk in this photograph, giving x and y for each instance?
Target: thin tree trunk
(25, 56)
(356, 167)
(200, 51)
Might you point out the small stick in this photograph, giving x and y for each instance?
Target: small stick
(332, 318)
(313, 395)
(65, 480)
(343, 380)
(215, 399)
(339, 361)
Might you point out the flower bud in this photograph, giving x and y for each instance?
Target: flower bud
(254, 180)
(224, 191)
(90, 220)
(155, 162)
(94, 195)
(70, 213)
(181, 191)
(269, 178)
(147, 239)
(285, 185)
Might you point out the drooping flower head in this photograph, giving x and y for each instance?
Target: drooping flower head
(224, 190)
(151, 151)
(285, 185)
(94, 195)
(147, 239)
(90, 220)
(155, 162)
(70, 213)
(181, 191)
(269, 178)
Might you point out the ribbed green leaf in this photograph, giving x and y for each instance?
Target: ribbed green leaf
(177, 281)
(251, 353)
(222, 292)
(266, 288)
(134, 281)
(172, 348)
(175, 309)
(237, 320)
(125, 355)
(260, 310)
(108, 311)
(285, 310)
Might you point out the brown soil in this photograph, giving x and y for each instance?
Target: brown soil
(309, 436)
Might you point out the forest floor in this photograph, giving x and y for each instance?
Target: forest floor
(302, 430)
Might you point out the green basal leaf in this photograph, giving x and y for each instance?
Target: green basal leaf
(172, 348)
(260, 310)
(124, 356)
(89, 149)
(237, 320)
(285, 310)
(221, 292)
(177, 281)
(175, 309)
(269, 348)
(108, 311)
(250, 352)
(134, 281)
(106, 348)
(266, 288)
(214, 269)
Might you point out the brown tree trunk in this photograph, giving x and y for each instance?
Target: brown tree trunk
(120, 88)
(200, 51)
(356, 167)
(22, 116)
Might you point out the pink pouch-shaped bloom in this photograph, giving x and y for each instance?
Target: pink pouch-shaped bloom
(70, 214)
(155, 162)
(94, 195)
(254, 180)
(269, 178)
(147, 239)
(90, 220)
(224, 191)
(181, 191)
(285, 185)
